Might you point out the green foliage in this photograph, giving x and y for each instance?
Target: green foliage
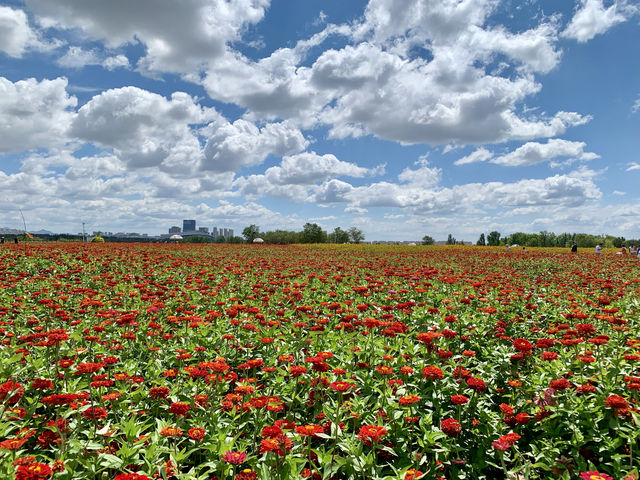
(338, 236)
(197, 239)
(493, 239)
(251, 232)
(481, 241)
(427, 240)
(313, 233)
(355, 235)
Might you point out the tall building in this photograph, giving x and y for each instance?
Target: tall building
(225, 233)
(174, 230)
(188, 226)
(231, 233)
(214, 233)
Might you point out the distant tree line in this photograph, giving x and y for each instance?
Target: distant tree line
(310, 233)
(550, 239)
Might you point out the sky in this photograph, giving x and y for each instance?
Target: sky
(403, 118)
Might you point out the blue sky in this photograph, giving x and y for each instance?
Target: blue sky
(404, 118)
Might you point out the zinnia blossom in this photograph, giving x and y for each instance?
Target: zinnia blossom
(593, 475)
(33, 471)
(371, 432)
(196, 433)
(451, 427)
(432, 373)
(234, 458)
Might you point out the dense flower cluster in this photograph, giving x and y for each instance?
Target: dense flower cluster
(139, 362)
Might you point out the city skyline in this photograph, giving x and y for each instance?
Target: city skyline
(404, 118)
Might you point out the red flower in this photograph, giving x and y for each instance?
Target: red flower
(506, 410)
(341, 386)
(279, 445)
(459, 399)
(593, 475)
(476, 384)
(95, 413)
(309, 430)
(408, 400)
(560, 384)
(413, 474)
(196, 433)
(522, 345)
(451, 427)
(131, 476)
(41, 384)
(505, 442)
(33, 471)
(616, 402)
(234, 458)
(246, 474)
(179, 408)
(11, 390)
(371, 432)
(432, 373)
(159, 392)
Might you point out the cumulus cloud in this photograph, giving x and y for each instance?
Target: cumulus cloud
(298, 174)
(242, 143)
(34, 114)
(144, 128)
(571, 189)
(16, 36)
(479, 155)
(593, 18)
(77, 57)
(532, 153)
(178, 36)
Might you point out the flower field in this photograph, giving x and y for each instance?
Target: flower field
(133, 362)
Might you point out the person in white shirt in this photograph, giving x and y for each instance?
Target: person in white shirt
(598, 249)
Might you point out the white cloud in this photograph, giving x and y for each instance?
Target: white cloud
(117, 61)
(479, 155)
(298, 174)
(633, 166)
(34, 114)
(592, 18)
(636, 106)
(77, 57)
(16, 36)
(144, 128)
(532, 153)
(309, 167)
(569, 190)
(179, 36)
(242, 143)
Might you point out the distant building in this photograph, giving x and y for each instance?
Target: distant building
(214, 233)
(188, 226)
(174, 230)
(204, 230)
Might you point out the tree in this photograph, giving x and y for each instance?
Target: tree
(493, 239)
(338, 236)
(427, 240)
(451, 240)
(250, 233)
(313, 233)
(481, 241)
(356, 235)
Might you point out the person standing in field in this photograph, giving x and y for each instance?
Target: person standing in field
(574, 247)
(598, 249)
